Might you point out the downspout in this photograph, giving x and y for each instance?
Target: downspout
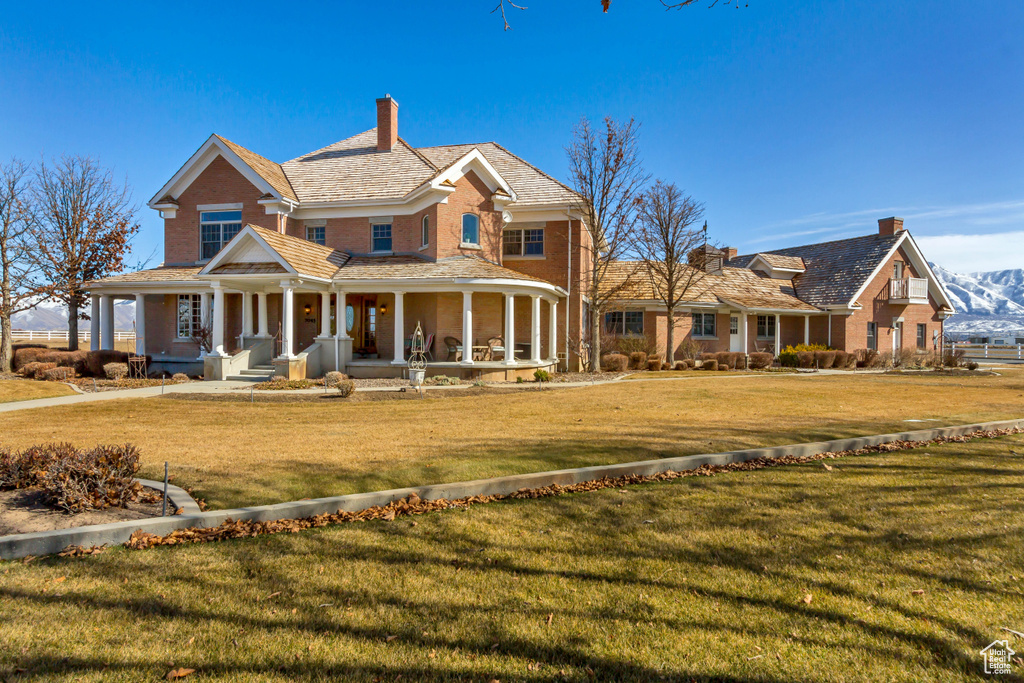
(830, 329)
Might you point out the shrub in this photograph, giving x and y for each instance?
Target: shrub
(97, 360)
(723, 366)
(760, 360)
(805, 359)
(541, 375)
(825, 359)
(656, 356)
(179, 377)
(971, 365)
(442, 380)
(346, 387)
(666, 366)
(680, 365)
(614, 362)
(630, 344)
(59, 374)
(332, 378)
(36, 370)
(690, 363)
(115, 370)
(733, 359)
(690, 349)
(74, 480)
(709, 364)
(637, 360)
(953, 358)
(654, 365)
(27, 353)
(707, 356)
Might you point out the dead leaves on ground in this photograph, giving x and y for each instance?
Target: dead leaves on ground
(175, 674)
(414, 505)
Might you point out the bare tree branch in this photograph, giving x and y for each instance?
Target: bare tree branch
(501, 6)
(82, 227)
(665, 236)
(16, 293)
(609, 179)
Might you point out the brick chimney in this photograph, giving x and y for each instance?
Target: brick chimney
(730, 253)
(387, 123)
(890, 226)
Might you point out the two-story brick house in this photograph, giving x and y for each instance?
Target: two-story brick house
(330, 260)
(870, 292)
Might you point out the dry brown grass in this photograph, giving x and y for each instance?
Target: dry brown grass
(240, 454)
(27, 389)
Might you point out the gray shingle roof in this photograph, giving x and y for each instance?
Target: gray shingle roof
(835, 270)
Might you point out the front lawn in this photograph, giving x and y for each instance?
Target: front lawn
(28, 389)
(240, 453)
(891, 567)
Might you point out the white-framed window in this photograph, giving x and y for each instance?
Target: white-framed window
(734, 324)
(922, 336)
(704, 324)
(624, 322)
(216, 228)
(873, 336)
(316, 233)
(470, 228)
(523, 242)
(897, 270)
(425, 231)
(190, 315)
(381, 237)
(766, 327)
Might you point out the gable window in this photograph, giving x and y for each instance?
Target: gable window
(704, 324)
(425, 231)
(382, 237)
(624, 322)
(190, 315)
(523, 242)
(873, 336)
(922, 336)
(216, 228)
(316, 233)
(766, 327)
(470, 229)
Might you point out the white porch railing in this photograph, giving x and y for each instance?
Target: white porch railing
(908, 288)
(990, 351)
(62, 335)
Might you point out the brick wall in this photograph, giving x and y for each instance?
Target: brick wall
(471, 196)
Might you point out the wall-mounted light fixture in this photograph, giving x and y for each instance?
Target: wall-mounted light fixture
(308, 309)
(383, 309)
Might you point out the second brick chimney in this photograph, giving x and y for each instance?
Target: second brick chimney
(387, 123)
(730, 253)
(890, 226)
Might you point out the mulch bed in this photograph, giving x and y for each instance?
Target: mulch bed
(22, 511)
(332, 396)
(414, 505)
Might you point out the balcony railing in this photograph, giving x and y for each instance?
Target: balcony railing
(908, 289)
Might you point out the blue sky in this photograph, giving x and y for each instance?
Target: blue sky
(794, 122)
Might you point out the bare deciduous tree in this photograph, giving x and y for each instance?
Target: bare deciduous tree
(606, 5)
(83, 223)
(16, 294)
(664, 238)
(606, 172)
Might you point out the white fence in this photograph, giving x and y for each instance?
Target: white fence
(62, 335)
(990, 351)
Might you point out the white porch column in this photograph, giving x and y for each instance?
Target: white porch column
(94, 324)
(400, 329)
(467, 327)
(778, 334)
(553, 330)
(807, 329)
(140, 324)
(325, 314)
(744, 330)
(261, 306)
(510, 330)
(218, 322)
(287, 319)
(107, 322)
(535, 329)
(204, 315)
(246, 314)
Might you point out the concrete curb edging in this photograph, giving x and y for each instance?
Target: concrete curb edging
(178, 496)
(50, 542)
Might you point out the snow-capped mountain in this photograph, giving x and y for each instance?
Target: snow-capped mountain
(986, 303)
(55, 317)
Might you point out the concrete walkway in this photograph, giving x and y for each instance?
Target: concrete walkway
(145, 392)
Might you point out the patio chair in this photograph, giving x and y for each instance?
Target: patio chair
(428, 349)
(454, 349)
(493, 344)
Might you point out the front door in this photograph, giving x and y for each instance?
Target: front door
(735, 341)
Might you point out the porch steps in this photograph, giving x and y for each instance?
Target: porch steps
(259, 373)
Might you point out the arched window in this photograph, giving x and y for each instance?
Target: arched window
(470, 228)
(425, 232)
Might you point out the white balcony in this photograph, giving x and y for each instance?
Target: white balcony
(908, 290)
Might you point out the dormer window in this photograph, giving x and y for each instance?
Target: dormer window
(216, 228)
(470, 229)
